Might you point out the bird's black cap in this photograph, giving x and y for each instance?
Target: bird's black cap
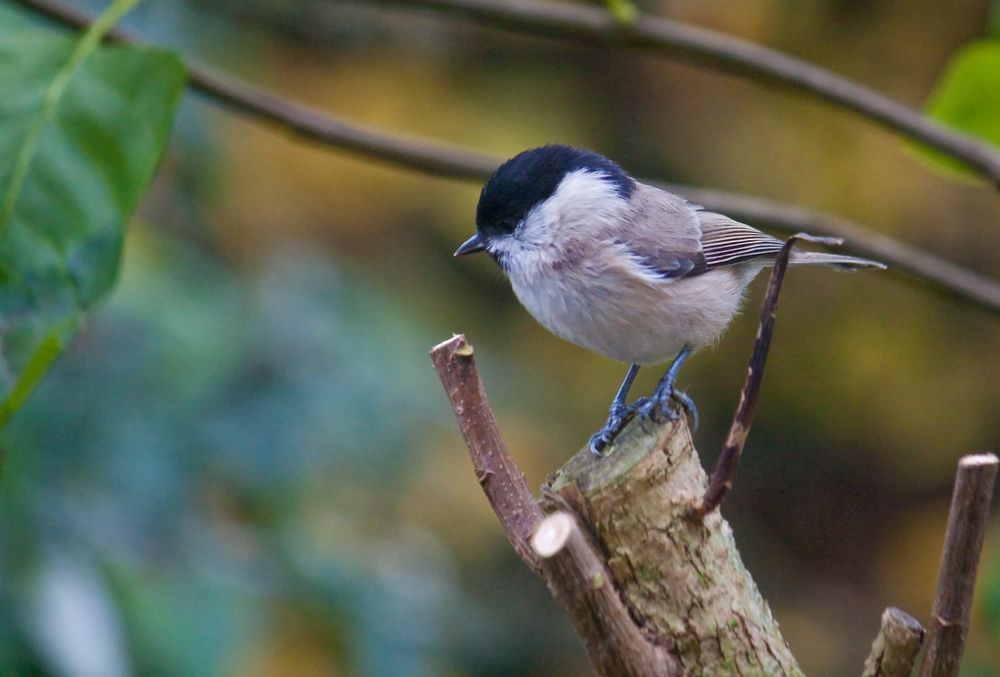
(531, 177)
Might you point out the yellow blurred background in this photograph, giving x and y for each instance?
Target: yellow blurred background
(247, 448)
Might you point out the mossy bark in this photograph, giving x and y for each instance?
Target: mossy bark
(681, 578)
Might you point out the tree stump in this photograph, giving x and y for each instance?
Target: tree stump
(680, 577)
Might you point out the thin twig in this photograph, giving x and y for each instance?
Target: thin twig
(555, 548)
(937, 273)
(894, 651)
(446, 161)
(501, 479)
(578, 577)
(722, 477)
(970, 506)
(675, 39)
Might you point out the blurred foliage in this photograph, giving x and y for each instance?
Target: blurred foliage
(244, 464)
(623, 11)
(81, 130)
(216, 472)
(968, 96)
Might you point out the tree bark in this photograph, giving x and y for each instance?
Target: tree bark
(967, 521)
(652, 589)
(681, 578)
(894, 651)
(577, 577)
(651, 579)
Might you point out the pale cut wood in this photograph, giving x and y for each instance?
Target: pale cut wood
(894, 651)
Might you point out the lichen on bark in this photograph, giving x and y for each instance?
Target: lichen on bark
(682, 578)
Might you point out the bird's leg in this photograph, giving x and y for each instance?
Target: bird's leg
(659, 403)
(617, 415)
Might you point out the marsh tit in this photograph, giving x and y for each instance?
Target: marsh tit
(620, 267)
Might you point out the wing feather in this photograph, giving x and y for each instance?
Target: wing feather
(725, 242)
(672, 238)
(667, 253)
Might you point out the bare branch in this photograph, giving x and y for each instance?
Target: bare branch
(501, 479)
(422, 155)
(725, 467)
(894, 651)
(578, 578)
(941, 275)
(674, 39)
(970, 506)
(555, 549)
(446, 161)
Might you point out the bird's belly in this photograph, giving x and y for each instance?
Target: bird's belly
(641, 324)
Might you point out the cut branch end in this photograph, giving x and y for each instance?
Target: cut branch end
(552, 534)
(894, 651)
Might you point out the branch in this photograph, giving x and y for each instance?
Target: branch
(502, 481)
(578, 578)
(650, 591)
(682, 579)
(422, 155)
(452, 162)
(970, 506)
(664, 37)
(939, 274)
(894, 651)
(725, 466)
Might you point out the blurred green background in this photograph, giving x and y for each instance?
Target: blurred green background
(244, 463)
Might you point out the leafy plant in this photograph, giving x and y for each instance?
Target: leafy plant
(82, 128)
(968, 96)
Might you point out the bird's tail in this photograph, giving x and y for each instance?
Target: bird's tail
(835, 261)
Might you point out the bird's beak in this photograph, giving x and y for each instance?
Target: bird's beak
(474, 244)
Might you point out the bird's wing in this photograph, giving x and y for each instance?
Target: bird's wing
(673, 238)
(664, 235)
(725, 242)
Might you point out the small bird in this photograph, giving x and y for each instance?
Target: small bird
(620, 267)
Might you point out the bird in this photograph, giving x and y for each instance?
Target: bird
(620, 267)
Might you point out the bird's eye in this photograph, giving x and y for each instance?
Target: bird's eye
(503, 227)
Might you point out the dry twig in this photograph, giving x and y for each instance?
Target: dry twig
(555, 549)
(970, 506)
(502, 481)
(725, 467)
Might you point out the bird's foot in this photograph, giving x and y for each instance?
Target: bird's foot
(617, 418)
(661, 406)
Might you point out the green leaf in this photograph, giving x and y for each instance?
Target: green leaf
(623, 11)
(82, 128)
(968, 97)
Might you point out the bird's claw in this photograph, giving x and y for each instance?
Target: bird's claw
(660, 407)
(601, 440)
(617, 419)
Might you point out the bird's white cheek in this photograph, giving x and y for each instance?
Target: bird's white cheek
(584, 205)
